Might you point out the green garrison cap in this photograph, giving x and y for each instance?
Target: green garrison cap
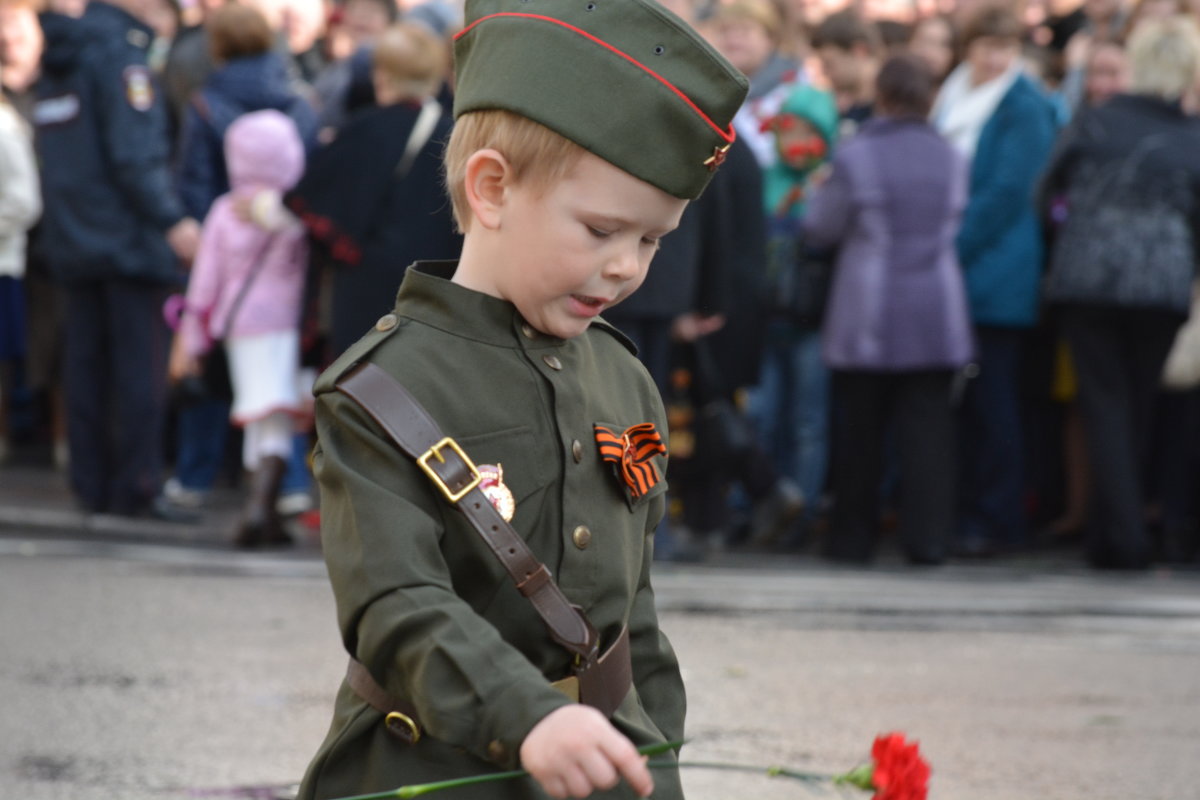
(624, 79)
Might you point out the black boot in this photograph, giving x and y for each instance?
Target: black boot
(260, 525)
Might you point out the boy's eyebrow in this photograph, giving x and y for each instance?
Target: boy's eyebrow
(622, 222)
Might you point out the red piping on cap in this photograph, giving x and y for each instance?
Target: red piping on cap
(728, 135)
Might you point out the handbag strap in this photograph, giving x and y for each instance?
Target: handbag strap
(256, 267)
(422, 129)
(411, 428)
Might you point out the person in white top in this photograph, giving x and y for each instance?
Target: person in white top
(20, 207)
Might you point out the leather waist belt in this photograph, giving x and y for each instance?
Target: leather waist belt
(601, 681)
(602, 684)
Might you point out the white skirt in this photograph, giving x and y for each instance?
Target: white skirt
(264, 369)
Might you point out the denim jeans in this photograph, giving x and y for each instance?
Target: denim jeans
(202, 429)
(991, 495)
(790, 405)
(296, 478)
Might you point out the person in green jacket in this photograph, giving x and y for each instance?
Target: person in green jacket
(583, 128)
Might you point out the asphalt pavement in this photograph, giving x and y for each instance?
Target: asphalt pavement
(143, 661)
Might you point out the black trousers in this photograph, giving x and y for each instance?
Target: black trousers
(114, 371)
(919, 409)
(1119, 355)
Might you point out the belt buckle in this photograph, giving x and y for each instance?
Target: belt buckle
(568, 686)
(435, 452)
(402, 726)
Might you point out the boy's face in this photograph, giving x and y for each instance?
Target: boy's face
(565, 252)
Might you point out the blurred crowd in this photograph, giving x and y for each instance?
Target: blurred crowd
(939, 290)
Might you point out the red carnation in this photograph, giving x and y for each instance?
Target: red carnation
(900, 772)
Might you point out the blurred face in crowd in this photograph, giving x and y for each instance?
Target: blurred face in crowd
(20, 46)
(68, 8)
(1107, 74)
(897, 10)
(363, 21)
(990, 57)
(1160, 9)
(842, 68)
(161, 16)
(303, 23)
(797, 142)
(1101, 10)
(812, 12)
(744, 42)
(933, 42)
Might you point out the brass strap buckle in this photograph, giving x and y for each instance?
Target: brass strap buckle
(404, 726)
(568, 686)
(435, 452)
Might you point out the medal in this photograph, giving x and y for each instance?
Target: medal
(491, 483)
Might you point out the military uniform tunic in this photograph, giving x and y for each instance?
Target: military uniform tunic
(421, 600)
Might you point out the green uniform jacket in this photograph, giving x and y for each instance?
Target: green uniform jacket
(422, 601)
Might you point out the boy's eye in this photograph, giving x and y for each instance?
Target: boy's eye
(655, 243)
(599, 234)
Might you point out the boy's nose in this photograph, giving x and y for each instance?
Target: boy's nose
(624, 266)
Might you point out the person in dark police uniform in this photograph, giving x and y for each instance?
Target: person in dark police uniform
(582, 130)
(114, 234)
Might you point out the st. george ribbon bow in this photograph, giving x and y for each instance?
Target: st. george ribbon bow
(633, 451)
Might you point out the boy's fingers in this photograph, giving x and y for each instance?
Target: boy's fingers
(578, 784)
(632, 766)
(600, 770)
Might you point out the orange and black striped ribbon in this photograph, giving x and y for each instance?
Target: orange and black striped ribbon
(633, 451)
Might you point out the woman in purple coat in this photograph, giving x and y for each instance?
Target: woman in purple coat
(897, 327)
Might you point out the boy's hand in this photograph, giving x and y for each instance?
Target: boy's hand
(574, 751)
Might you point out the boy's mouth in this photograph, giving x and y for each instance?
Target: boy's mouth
(588, 305)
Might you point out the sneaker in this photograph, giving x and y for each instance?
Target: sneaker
(291, 504)
(183, 497)
(62, 455)
(775, 513)
(167, 510)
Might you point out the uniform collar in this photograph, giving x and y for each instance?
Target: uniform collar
(427, 295)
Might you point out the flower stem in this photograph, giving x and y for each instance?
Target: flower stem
(770, 772)
(418, 789)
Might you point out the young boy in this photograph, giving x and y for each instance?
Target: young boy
(583, 129)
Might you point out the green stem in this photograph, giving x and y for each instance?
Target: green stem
(418, 789)
(770, 772)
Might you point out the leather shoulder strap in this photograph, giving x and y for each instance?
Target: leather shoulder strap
(409, 425)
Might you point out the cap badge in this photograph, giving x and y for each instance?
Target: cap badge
(718, 157)
(491, 483)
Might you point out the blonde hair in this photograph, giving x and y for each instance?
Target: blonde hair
(411, 59)
(1164, 57)
(762, 12)
(535, 153)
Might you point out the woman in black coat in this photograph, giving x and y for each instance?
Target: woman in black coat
(373, 199)
(1122, 267)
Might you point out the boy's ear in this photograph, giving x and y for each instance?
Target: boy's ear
(488, 176)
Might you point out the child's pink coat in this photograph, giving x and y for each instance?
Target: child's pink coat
(262, 151)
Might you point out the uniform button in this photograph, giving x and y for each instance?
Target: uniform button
(386, 322)
(527, 331)
(577, 451)
(496, 750)
(552, 362)
(582, 537)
